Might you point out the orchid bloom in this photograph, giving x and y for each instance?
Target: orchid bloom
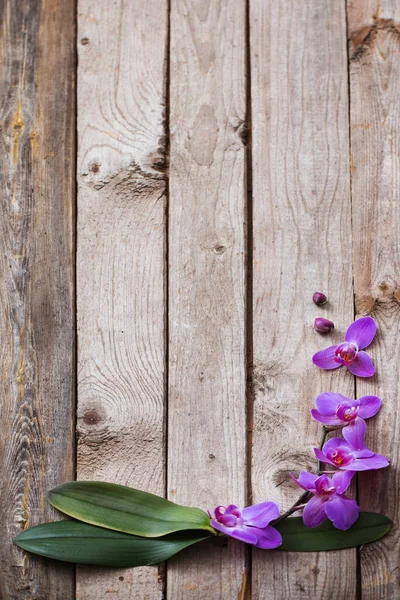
(350, 453)
(350, 353)
(335, 409)
(329, 499)
(250, 525)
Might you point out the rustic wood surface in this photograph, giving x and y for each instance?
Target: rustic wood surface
(301, 243)
(121, 261)
(193, 311)
(37, 124)
(374, 32)
(207, 253)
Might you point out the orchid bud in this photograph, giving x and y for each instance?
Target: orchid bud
(319, 298)
(323, 325)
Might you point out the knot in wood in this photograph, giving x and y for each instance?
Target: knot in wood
(91, 417)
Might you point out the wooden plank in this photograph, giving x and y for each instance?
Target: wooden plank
(121, 260)
(374, 30)
(207, 375)
(302, 243)
(37, 112)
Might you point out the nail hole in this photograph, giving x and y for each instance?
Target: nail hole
(94, 167)
(219, 249)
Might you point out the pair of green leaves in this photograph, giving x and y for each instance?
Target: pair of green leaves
(123, 527)
(117, 526)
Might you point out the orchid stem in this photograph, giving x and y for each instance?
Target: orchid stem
(292, 509)
(300, 501)
(321, 445)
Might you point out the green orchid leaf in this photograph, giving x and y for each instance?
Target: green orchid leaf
(298, 538)
(126, 509)
(77, 542)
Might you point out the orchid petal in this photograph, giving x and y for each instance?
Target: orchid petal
(267, 538)
(333, 443)
(353, 466)
(361, 332)
(322, 458)
(231, 508)
(362, 365)
(369, 406)
(354, 433)
(343, 512)
(306, 480)
(341, 480)
(377, 461)
(328, 402)
(326, 419)
(364, 453)
(218, 511)
(244, 534)
(260, 515)
(314, 512)
(325, 359)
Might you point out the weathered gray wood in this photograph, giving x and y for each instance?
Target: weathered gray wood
(302, 243)
(207, 376)
(374, 30)
(121, 261)
(37, 111)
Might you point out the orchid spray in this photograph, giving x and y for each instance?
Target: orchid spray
(324, 497)
(117, 526)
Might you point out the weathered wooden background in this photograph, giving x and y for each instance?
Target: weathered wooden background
(177, 177)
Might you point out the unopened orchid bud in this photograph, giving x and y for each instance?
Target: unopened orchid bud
(319, 298)
(323, 325)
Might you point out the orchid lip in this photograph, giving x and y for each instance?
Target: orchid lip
(340, 457)
(346, 412)
(328, 490)
(346, 353)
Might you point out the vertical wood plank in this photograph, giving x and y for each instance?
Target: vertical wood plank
(37, 114)
(302, 243)
(207, 376)
(374, 31)
(121, 261)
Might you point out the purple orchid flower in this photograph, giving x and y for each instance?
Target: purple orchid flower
(250, 525)
(350, 453)
(350, 352)
(329, 499)
(335, 409)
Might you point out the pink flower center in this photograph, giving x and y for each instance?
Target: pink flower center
(346, 412)
(328, 490)
(340, 456)
(346, 352)
(229, 519)
(324, 488)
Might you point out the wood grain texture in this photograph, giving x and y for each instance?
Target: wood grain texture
(374, 30)
(302, 243)
(121, 261)
(37, 112)
(207, 375)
